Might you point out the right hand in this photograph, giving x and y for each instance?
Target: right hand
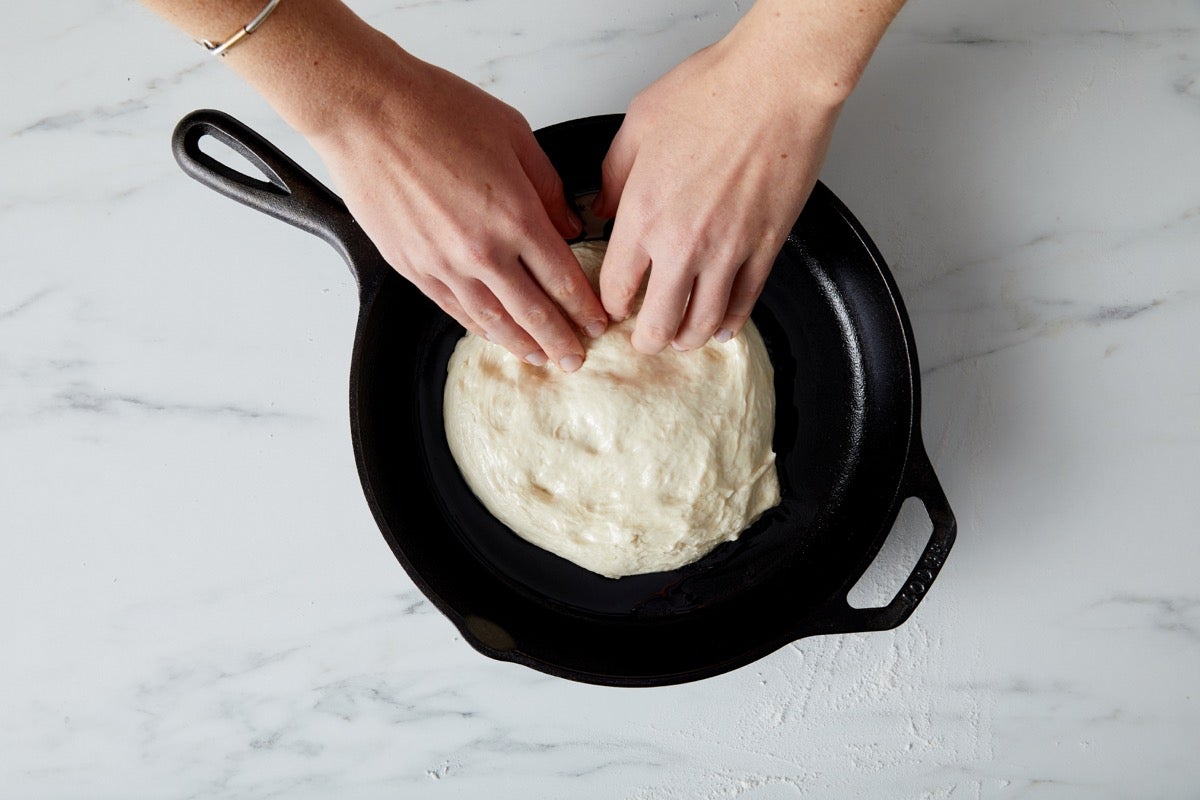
(452, 187)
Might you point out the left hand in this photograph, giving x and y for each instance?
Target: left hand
(706, 176)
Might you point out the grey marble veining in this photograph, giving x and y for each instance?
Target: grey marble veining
(196, 600)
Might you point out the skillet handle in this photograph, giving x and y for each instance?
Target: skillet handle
(919, 482)
(289, 193)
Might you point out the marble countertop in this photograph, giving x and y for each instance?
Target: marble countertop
(196, 600)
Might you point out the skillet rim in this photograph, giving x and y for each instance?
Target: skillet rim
(482, 639)
(294, 196)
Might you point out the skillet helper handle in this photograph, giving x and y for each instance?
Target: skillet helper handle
(920, 482)
(289, 193)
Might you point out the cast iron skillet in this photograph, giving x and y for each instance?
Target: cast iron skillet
(847, 436)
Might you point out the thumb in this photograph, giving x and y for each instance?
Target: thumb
(549, 188)
(614, 172)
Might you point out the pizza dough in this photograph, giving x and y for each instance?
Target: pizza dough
(632, 464)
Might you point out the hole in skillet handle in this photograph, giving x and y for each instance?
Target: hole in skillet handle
(888, 573)
(234, 163)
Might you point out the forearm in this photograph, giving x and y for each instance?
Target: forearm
(822, 46)
(314, 61)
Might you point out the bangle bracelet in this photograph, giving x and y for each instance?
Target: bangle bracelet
(220, 48)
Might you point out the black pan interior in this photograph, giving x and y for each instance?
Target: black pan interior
(845, 414)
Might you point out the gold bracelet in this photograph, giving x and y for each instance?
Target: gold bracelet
(220, 48)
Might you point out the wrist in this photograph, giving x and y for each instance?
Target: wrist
(815, 47)
(319, 65)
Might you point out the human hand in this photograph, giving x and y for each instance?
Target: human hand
(452, 187)
(710, 169)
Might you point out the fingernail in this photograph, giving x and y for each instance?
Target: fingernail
(595, 329)
(570, 363)
(488, 336)
(576, 224)
(723, 335)
(537, 358)
(679, 347)
(616, 318)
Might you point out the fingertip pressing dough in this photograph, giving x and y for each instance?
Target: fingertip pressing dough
(632, 464)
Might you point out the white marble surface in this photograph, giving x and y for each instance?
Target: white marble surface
(196, 602)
